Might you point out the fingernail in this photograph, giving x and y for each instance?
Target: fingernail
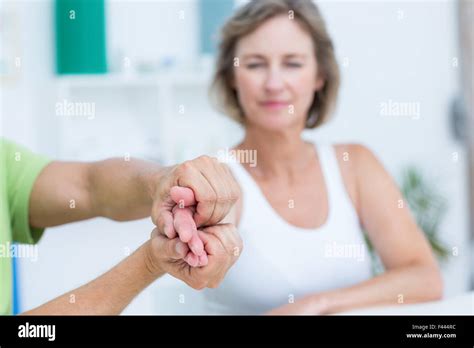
(198, 251)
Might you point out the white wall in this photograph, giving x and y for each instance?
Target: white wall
(25, 98)
(402, 56)
(403, 51)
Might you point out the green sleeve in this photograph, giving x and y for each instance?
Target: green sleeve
(22, 169)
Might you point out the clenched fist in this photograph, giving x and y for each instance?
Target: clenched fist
(215, 191)
(221, 243)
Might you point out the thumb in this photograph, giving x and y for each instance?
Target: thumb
(165, 248)
(183, 196)
(175, 249)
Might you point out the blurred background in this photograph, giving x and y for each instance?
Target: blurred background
(90, 79)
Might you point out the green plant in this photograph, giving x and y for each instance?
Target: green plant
(428, 207)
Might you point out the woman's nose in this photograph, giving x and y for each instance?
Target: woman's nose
(274, 81)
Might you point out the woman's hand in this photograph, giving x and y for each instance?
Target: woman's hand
(222, 245)
(309, 305)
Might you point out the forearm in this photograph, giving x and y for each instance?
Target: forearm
(123, 190)
(73, 191)
(411, 284)
(110, 293)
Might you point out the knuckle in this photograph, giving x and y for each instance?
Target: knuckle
(199, 284)
(237, 252)
(238, 247)
(228, 228)
(224, 198)
(185, 167)
(239, 242)
(204, 158)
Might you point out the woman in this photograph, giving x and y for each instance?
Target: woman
(304, 205)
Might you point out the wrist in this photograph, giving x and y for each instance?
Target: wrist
(152, 179)
(153, 266)
(157, 182)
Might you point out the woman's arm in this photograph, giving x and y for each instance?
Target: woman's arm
(412, 274)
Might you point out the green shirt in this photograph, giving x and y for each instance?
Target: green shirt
(19, 169)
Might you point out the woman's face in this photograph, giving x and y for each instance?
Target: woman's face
(277, 74)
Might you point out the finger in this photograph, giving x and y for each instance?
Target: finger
(163, 218)
(196, 245)
(219, 179)
(235, 191)
(204, 194)
(169, 248)
(223, 191)
(183, 196)
(212, 173)
(168, 225)
(212, 245)
(213, 186)
(184, 224)
(186, 228)
(180, 248)
(228, 236)
(206, 203)
(218, 259)
(192, 259)
(203, 260)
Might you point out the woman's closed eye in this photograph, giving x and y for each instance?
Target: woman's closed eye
(255, 65)
(293, 64)
(262, 65)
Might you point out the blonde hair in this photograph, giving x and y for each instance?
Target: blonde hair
(247, 19)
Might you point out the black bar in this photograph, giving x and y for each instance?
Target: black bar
(157, 330)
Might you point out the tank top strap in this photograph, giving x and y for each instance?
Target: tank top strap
(338, 196)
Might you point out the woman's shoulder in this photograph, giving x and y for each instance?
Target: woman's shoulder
(358, 166)
(354, 154)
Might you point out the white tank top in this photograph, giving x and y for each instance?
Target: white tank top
(281, 262)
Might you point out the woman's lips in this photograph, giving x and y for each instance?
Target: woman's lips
(274, 105)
